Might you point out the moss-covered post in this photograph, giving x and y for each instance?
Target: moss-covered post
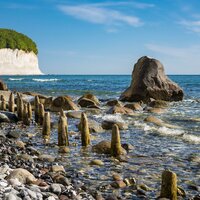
(46, 130)
(20, 107)
(3, 103)
(169, 185)
(63, 131)
(37, 101)
(29, 110)
(11, 105)
(41, 113)
(26, 120)
(85, 132)
(115, 141)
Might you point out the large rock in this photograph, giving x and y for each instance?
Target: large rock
(61, 102)
(3, 86)
(149, 81)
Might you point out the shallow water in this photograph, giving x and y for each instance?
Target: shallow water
(156, 148)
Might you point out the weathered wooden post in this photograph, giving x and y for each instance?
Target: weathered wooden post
(62, 130)
(85, 132)
(169, 185)
(37, 101)
(29, 110)
(41, 113)
(20, 107)
(46, 130)
(3, 103)
(115, 141)
(26, 119)
(11, 105)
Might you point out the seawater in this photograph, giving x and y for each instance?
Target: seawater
(155, 148)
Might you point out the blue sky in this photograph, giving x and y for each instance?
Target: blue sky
(107, 37)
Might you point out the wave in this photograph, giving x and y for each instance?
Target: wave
(169, 132)
(46, 80)
(116, 117)
(15, 79)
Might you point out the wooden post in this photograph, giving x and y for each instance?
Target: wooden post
(3, 103)
(26, 119)
(115, 141)
(169, 185)
(63, 131)
(29, 110)
(85, 132)
(20, 107)
(46, 130)
(37, 101)
(41, 113)
(11, 105)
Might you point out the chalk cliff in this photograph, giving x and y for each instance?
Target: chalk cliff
(18, 62)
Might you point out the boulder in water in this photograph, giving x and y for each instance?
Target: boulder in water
(149, 81)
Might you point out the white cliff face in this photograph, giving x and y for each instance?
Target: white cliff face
(18, 62)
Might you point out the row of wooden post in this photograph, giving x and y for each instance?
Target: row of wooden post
(24, 112)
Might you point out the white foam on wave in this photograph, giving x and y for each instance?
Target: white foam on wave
(115, 117)
(170, 132)
(45, 80)
(15, 79)
(191, 138)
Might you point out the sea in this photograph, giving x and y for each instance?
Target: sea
(155, 148)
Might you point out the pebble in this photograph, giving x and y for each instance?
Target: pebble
(57, 168)
(55, 188)
(97, 162)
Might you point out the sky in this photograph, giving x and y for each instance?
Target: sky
(108, 36)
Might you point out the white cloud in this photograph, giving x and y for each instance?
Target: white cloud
(99, 15)
(126, 3)
(191, 25)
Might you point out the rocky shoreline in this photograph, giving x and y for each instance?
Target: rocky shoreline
(57, 147)
(46, 177)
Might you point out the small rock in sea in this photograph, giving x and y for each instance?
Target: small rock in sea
(103, 147)
(108, 124)
(97, 162)
(63, 150)
(46, 158)
(117, 177)
(22, 175)
(55, 188)
(134, 106)
(120, 110)
(114, 102)
(118, 184)
(74, 114)
(58, 178)
(57, 168)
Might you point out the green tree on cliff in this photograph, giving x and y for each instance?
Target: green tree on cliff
(14, 40)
